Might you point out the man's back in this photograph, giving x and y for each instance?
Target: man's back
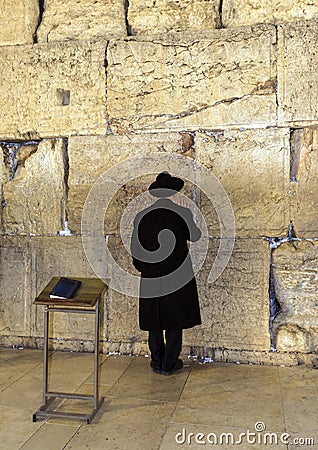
(163, 230)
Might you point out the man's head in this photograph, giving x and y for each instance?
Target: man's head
(165, 185)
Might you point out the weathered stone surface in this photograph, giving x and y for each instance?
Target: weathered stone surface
(15, 286)
(236, 13)
(304, 173)
(60, 256)
(223, 78)
(90, 157)
(253, 168)
(123, 323)
(4, 168)
(35, 197)
(298, 73)
(13, 156)
(4, 177)
(18, 21)
(235, 308)
(148, 17)
(175, 78)
(52, 90)
(296, 284)
(88, 19)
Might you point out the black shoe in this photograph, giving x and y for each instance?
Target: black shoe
(156, 367)
(178, 366)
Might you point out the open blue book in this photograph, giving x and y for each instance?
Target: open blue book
(65, 288)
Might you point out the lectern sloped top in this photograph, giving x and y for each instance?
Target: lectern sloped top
(90, 291)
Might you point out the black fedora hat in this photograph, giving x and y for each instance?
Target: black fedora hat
(165, 185)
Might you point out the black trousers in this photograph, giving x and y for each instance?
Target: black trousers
(163, 356)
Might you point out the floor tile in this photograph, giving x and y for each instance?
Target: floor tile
(139, 381)
(16, 427)
(14, 354)
(147, 410)
(112, 368)
(88, 389)
(14, 363)
(67, 371)
(51, 436)
(232, 395)
(300, 399)
(26, 392)
(126, 424)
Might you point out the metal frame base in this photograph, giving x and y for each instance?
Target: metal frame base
(43, 413)
(49, 396)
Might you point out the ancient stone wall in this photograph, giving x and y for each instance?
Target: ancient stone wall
(230, 86)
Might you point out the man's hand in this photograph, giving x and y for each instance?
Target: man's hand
(183, 201)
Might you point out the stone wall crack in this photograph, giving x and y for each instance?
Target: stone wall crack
(274, 305)
(128, 26)
(295, 142)
(64, 212)
(41, 12)
(226, 101)
(107, 125)
(15, 154)
(220, 24)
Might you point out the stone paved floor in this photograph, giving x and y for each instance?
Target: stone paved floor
(144, 410)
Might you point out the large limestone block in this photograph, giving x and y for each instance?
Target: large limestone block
(18, 21)
(35, 198)
(123, 322)
(15, 286)
(92, 156)
(235, 308)
(149, 17)
(236, 13)
(253, 168)
(61, 256)
(52, 90)
(298, 73)
(304, 153)
(82, 19)
(122, 309)
(219, 79)
(296, 285)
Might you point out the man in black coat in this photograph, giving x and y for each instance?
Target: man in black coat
(168, 291)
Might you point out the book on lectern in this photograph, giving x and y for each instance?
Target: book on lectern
(65, 288)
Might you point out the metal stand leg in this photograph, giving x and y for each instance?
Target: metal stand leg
(46, 400)
(96, 355)
(97, 402)
(46, 353)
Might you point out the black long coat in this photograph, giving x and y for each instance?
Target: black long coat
(168, 291)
